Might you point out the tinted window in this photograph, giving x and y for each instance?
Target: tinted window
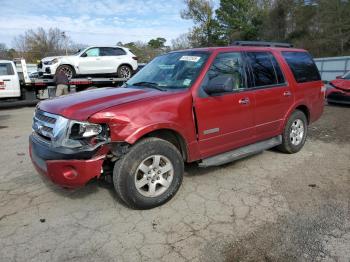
(227, 64)
(302, 66)
(265, 69)
(110, 51)
(6, 69)
(93, 52)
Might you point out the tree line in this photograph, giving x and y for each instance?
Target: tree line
(320, 26)
(34, 45)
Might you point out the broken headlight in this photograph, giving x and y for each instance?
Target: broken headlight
(81, 130)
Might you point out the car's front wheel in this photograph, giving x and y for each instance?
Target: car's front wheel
(67, 69)
(294, 134)
(124, 71)
(149, 174)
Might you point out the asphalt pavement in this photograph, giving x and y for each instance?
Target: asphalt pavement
(268, 207)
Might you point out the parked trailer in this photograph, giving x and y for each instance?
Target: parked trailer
(15, 86)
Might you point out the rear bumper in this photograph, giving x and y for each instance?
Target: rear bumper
(71, 173)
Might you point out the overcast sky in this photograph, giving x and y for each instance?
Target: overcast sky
(95, 22)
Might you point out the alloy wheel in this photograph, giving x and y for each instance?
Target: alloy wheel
(297, 132)
(125, 72)
(154, 176)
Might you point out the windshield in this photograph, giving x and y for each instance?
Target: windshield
(171, 71)
(346, 76)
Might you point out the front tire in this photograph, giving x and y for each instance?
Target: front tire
(67, 69)
(294, 134)
(149, 175)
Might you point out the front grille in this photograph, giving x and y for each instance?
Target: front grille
(45, 118)
(40, 65)
(44, 123)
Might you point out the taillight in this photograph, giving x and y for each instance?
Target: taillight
(135, 58)
(323, 90)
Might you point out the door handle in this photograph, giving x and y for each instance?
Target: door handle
(287, 93)
(244, 101)
(6, 80)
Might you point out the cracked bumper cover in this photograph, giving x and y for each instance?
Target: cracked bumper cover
(67, 168)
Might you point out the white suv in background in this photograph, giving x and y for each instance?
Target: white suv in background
(92, 61)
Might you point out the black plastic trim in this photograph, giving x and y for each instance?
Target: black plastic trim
(46, 152)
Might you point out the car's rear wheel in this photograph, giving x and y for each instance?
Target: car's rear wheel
(149, 174)
(67, 69)
(295, 133)
(124, 71)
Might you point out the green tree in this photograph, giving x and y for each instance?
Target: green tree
(334, 27)
(159, 42)
(205, 31)
(275, 17)
(143, 51)
(239, 19)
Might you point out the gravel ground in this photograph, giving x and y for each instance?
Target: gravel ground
(268, 207)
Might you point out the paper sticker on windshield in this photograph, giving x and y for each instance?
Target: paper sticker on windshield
(187, 82)
(190, 58)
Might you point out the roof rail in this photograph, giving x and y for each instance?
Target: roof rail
(262, 43)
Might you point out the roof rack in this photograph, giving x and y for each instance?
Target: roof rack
(262, 43)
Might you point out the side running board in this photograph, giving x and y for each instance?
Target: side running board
(241, 152)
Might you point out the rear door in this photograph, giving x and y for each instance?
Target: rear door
(9, 82)
(112, 57)
(273, 95)
(225, 121)
(308, 85)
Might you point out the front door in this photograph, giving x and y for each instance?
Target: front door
(225, 121)
(90, 62)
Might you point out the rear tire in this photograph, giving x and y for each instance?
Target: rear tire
(148, 175)
(294, 134)
(124, 71)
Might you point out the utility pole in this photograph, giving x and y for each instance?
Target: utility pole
(63, 35)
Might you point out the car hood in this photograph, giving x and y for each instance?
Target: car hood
(50, 58)
(80, 106)
(342, 84)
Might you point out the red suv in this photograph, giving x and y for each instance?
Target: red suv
(207, 105)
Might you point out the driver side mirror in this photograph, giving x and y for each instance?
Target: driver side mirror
(219, 84)
(338, 77)
(84, 55)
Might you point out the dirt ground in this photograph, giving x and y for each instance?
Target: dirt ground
(268, 207)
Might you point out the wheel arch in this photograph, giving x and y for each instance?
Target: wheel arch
(303, 108)
(66, 64)
(167, 134)
(126, 64)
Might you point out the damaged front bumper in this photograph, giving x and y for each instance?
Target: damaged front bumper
(67, 167)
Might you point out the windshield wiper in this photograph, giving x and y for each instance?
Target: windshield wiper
(149, 84)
